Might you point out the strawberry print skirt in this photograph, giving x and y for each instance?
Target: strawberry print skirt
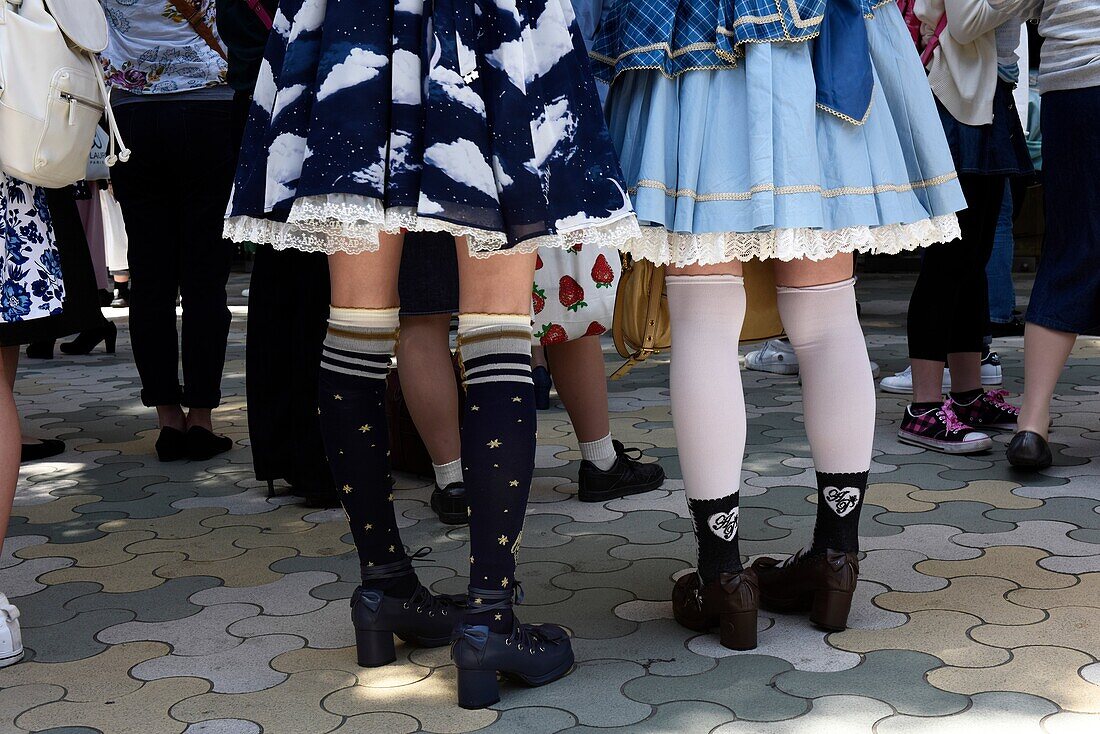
(574, 293)
(468, 117)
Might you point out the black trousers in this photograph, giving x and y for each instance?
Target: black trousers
(173, 194)
(949, 308)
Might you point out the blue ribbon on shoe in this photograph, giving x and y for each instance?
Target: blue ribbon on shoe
(371, 597)
(476, 635)
(842, 62)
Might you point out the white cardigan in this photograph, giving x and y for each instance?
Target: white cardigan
(963, 70)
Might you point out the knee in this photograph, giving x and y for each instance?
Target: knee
(810, 312)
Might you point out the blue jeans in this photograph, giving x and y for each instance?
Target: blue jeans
(998, 271)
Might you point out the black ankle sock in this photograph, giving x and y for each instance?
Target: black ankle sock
(716, 532)
(967, 396)
(922, 408)
(839, 502)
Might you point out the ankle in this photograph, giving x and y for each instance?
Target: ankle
(490, 608)
(965, 397)
(200, 418)
(171, 416)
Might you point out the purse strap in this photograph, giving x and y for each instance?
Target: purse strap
(192, 13)
(260, 12)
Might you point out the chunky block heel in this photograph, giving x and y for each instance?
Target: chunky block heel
(374, 648)
(830, 609)
(737, 630)
(477, 688)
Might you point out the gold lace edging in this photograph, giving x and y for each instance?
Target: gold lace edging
(646, 183)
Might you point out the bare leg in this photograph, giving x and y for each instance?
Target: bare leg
(1045, 355)
(200, 417)
(966, 371)
(578, 370)
(10, 448)
(928, 381)
(428, 383)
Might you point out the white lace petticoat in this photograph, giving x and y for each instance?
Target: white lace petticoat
(660, 246)
(352, 224)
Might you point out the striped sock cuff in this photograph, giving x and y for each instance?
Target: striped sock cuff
(499, 351)
(360, 341)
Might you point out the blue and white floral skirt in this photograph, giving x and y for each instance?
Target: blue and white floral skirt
(471, 117)
(739, 163)
(31, 286)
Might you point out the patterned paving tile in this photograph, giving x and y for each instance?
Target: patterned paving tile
(180, 598)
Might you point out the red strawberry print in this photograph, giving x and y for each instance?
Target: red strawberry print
(538, 298)
(602, 273)
(538, 261)
(595, 328)
(576, 248)
(552, 334)
(571, 294)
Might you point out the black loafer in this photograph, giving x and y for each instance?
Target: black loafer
(1029, 450)
(450, 503)
(626, 477)
(203, 444)
(171, 444)
(44, 449)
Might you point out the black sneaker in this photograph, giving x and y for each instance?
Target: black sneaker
(450, 503)
(628, 476)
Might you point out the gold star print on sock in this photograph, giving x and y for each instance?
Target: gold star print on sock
(513, 483)
(364, 428)
(496, 443)
(498, 617)
(504, 583)
(368, 527)
(337, 397)
(393, 549)
(517, 399)
(503, 540)
(475, 408)
(390, 497)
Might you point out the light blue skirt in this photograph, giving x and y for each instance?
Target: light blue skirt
(740, 163)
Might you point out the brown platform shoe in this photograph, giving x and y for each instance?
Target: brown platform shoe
(729, 603)
(822, 583)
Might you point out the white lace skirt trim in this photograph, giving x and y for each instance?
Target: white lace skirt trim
(663, 247)
(352, 224)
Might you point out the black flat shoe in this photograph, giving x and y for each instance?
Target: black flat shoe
(1029, 450)
(203, 444)
(423, 619)
(86, 341)
(450, 503)
(533, 654)
(44, 449)
(171, 444)
(626, 477)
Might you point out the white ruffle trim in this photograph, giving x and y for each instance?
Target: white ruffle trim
(352, 224)
(660, 246)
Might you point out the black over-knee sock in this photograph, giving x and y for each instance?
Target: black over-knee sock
(498, 451)
(351, 399)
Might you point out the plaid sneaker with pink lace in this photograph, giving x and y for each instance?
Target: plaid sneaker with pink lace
(988, 411)
(941, 430)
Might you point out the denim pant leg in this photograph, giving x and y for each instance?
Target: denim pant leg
(1002, 294)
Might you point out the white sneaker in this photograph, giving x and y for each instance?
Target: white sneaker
(11, 641)
(902, 382)
(776, 356)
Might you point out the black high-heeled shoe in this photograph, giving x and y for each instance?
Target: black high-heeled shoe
(40, 350)
(86, 341)
(533, 654)
(423, 619)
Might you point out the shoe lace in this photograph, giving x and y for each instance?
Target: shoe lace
(531, 638)
(950, 420)
(997, 398)
(423, 600)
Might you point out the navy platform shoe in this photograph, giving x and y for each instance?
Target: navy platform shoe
(533, 654)
(424, 619)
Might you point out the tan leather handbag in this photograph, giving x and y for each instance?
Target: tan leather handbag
(642, 327)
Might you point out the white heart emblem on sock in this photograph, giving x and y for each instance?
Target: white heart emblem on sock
(842, 501)
(724, 524)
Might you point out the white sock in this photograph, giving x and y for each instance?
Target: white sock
(448, 473)
(838, 392)
(600, 452)
(708, 405)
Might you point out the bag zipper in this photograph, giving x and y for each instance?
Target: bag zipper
(73, 101)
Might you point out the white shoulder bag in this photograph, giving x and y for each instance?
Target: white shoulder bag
(52, 90)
